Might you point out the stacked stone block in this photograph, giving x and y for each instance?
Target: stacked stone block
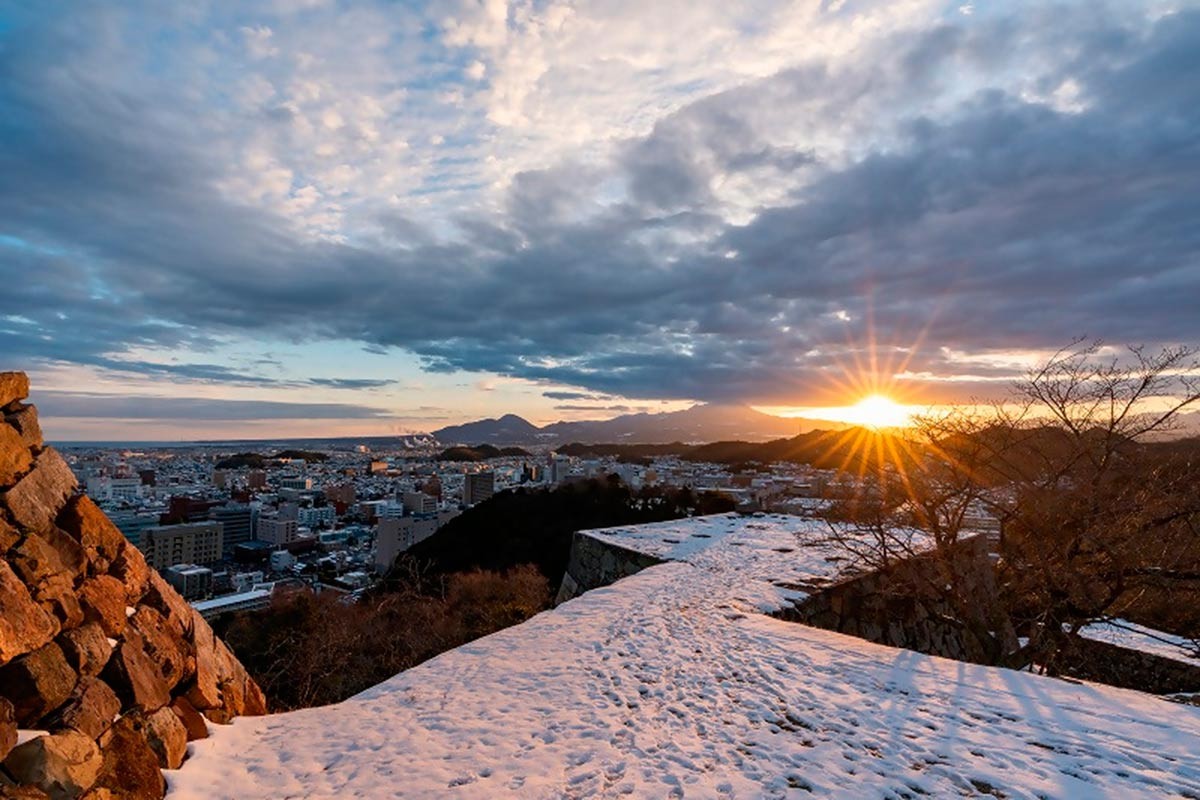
(96, 649)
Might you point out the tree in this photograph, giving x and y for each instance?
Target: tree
(1096, 513)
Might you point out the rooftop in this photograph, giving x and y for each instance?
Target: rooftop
(672, 683)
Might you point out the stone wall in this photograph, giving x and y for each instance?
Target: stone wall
(95, 647)
(594, 563)
(902, 606)
(1103, 662)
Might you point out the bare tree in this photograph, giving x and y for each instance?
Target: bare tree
(1095, 512)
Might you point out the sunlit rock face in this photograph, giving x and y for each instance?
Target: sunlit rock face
(97, 652)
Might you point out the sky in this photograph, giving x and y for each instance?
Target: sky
(314, 217)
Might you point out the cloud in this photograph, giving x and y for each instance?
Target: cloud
(744, 229)
(53, 404)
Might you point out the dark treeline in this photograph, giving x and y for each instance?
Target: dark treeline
(535, 526)
(258, 460)
(480, 452)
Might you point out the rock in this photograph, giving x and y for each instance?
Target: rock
(24, 625)
(8, 727)
(37, 683)
(36, 499)
(84, 522)
(24, 419)
(22, 793)
(86, 648)
(131, 569)
(192, 721)
(15, 457)
(14, 386)
(70, 552)
(205, 692)
(90, 709)
(135, 677)
(64, 764)
(163, 598)
(9, 536)
(103, 601)
(167, 737)
(41, 568)
(164, 643)
(130, 769)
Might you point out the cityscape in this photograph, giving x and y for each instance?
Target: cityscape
(599, 400)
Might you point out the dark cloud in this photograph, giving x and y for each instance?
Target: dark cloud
(84, 405)
(998, 219)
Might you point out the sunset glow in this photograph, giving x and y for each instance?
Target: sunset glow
(873, 411)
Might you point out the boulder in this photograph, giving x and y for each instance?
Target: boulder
(86, 648)
(70, 552)
(205, 692)
(41, 567)
(135, 677)
(192, 721)
(90, 709)
(37, 683)
(84, 522)
(103, 601)
(36, 499)
(8, 727)
(130, 768)
(24, 625)
(14, 386)
(131, 569)
(15, 456)
(24, 419)
(64, 764)
(167, 737)
(163, 598)
(164, 643)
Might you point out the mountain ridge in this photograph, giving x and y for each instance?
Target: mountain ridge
(700, 423)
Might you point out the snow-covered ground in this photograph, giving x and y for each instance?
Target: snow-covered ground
(1124, 633)
(671, 683)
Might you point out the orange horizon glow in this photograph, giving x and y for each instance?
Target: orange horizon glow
(876, 411)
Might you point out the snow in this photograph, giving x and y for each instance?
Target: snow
(671, 683)
(1124, 633)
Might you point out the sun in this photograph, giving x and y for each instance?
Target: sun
(878, 411)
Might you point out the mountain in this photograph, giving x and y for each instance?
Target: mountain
(509, 429)
(702, 423)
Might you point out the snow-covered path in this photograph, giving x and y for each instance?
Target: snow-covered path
(671, 684)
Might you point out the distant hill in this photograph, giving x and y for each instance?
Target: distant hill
(509, 429)
(702, 423)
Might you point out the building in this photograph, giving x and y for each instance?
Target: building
(316, 517)
(256, 479)
(189, 543)
(300, 484)
(276, 530)
(341, 493)
(396, 534)
(132, 523)
(256, 599)
(560, 467)
(220, 478)
(190, 580)
(419, 502)
(237, 524)
(478, 486)
(103, 487)
(378, 467)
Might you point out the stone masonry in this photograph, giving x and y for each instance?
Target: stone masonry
(96, 649)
